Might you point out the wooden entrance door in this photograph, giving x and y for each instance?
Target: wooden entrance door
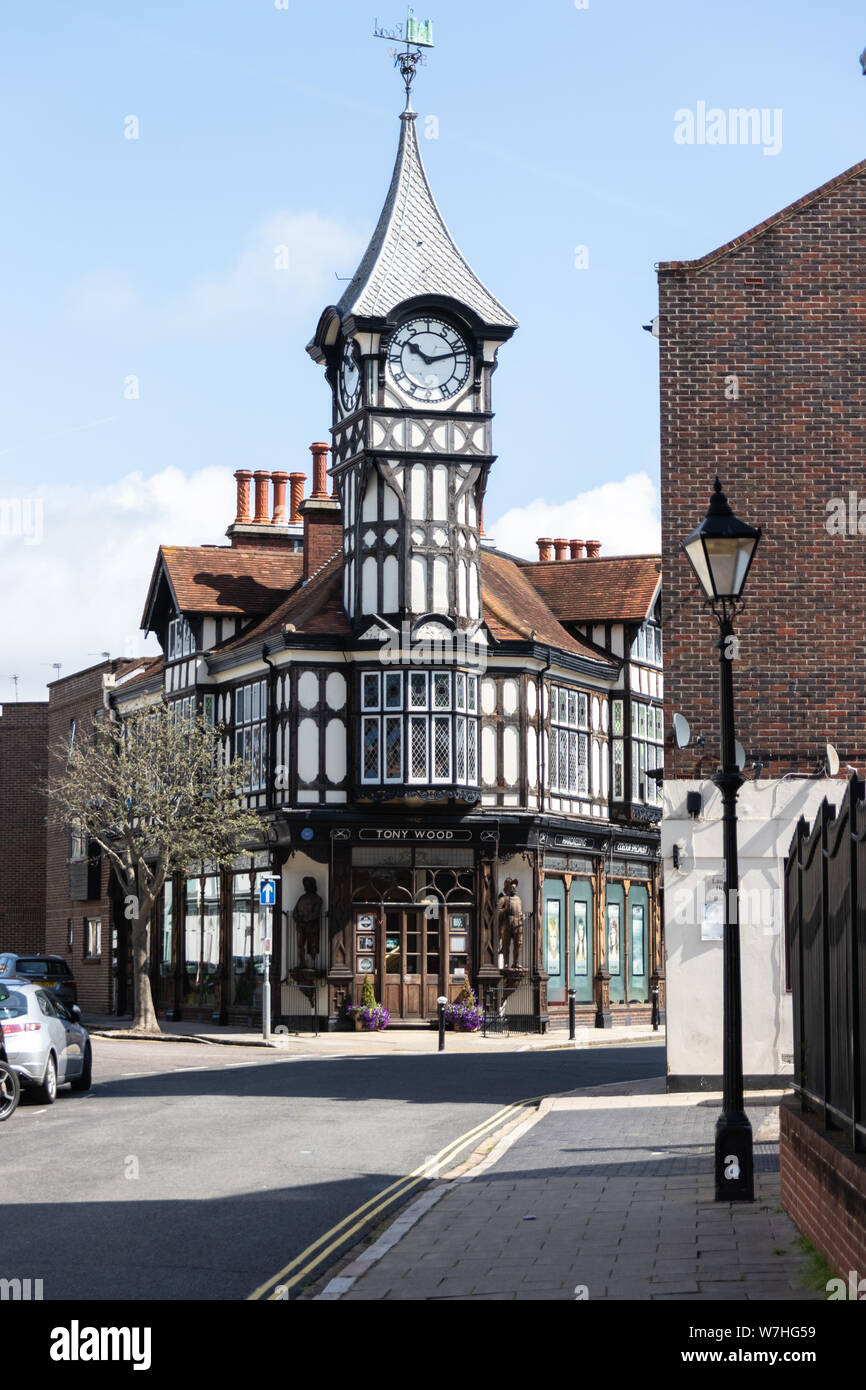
(412, 962)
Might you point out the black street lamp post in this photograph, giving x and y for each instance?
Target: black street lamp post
(720, 552)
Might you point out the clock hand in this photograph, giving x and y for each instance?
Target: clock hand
(418, 353)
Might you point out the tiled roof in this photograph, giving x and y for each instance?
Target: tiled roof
(412, 251)
(246, 580)
(609, 589)
(145, 671)
(316, 608)
(513, 608)
(847, 176)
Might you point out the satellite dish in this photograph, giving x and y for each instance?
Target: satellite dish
(739, 755)
(682, 732)
(832, 760)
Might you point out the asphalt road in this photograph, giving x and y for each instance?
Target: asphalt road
(199, 1172)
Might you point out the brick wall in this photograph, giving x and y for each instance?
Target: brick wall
(77, 697)
(23, 769)
(778, 322)
(824, 1189)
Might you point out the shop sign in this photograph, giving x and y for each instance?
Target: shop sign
(577, 842)
(629, 847)
(408, 835)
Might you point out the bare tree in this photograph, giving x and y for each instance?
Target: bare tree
(155, 791)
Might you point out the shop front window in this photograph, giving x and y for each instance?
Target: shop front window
(201, 941)
(248, 932)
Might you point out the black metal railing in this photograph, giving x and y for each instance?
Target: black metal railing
(825, 913)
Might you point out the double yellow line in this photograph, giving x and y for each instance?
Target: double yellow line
(277, 1288)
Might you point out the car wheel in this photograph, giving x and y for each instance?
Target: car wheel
(10, 1090)
(82, 1082)
(47, 1092)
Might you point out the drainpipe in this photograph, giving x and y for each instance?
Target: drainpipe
(542, 760)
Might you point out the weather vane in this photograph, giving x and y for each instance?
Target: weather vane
(416, 34)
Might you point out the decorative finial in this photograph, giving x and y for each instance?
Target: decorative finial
(417, 34)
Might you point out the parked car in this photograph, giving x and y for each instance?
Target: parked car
(10, 1086)
(52, 972)
(46, 1044)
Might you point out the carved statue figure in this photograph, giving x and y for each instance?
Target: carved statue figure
(510, 913)
(308, 919)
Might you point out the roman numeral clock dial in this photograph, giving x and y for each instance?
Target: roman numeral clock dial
(428, 359)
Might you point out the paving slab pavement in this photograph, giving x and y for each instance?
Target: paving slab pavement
(606, 1194)
(404, 1041)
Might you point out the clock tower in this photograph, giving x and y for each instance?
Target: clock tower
(409, 352)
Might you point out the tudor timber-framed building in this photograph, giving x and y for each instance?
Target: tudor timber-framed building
(424, 715)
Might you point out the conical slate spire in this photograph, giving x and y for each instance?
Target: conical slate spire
(412, 252)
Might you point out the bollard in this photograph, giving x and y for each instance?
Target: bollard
(571, 1020)
(655, 993)
(441, 1001)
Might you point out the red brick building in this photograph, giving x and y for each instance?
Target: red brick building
(23, 768)
(762, 384)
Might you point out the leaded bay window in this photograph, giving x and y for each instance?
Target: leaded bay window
(251, 740)
(180, 640)
(617, 745)
(647, 644)
(647, 751)
(569, 741)
(419, 727)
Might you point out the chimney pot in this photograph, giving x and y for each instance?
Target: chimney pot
(560, 547)
(279, 480)
(576, 548)
(296, 484)
(544, 544)
(592, 549)
(262, 477)
(242, 477)
(320, 469)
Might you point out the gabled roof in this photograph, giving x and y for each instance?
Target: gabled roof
(848, 176)
(412, 252)
(607, 589)
(514, 609)
(221, 579)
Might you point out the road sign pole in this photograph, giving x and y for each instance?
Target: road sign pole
(266, 982)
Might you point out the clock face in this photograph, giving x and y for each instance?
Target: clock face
(350, 378)
(428, 359)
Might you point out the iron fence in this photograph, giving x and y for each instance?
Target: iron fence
(825, 912)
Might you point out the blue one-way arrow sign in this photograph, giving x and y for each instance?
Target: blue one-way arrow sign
(268, 892)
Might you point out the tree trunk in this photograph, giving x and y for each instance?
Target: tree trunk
(144, 1014)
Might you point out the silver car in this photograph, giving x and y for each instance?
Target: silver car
(45, 1043)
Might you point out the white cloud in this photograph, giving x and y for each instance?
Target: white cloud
(75, 563)
(287, 270)
(623, 515)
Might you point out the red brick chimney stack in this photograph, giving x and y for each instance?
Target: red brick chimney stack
(320, 469)
(544, 544)
(243, 476)
(296, 484)
(280, 515)
(592, 549)
(560, 546)
(262, 477)
(576, 548)
(321, 515)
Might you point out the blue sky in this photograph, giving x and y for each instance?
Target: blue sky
(152, 258)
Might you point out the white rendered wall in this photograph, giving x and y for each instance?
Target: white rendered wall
(767, 813)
